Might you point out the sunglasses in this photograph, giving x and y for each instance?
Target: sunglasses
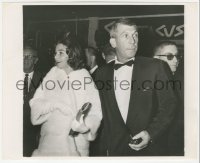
(171, 56)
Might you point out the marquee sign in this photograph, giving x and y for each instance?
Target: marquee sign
(173, 31)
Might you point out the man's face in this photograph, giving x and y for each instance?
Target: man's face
(61, 56)
(125, 42)
(169, 50)
(30, 59)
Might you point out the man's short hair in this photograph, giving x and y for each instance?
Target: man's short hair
(159, 45)
(124, 21)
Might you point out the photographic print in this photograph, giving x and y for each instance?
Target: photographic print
(100, 80)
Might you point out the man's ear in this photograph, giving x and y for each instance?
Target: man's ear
(113, 42)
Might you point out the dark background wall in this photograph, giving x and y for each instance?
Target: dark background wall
(42, 24)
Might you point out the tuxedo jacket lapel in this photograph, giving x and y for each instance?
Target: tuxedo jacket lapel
(132, 112)
(111, 94)
(140, 74)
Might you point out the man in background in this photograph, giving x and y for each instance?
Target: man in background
(108, 53)
(168, 52)
(32, 79)
(91, 60)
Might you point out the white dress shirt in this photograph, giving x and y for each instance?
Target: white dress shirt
(93, 69)
(110, 60)
(30, 76)
(122, 86)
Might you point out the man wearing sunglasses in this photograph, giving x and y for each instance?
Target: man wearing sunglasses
(168, 52)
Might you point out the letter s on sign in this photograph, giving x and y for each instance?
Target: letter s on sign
(180, 30)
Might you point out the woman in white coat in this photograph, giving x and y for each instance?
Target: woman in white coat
(64, 90)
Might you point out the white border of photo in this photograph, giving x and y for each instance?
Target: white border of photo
(12, 99)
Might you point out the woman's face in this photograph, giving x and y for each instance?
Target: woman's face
(61, 56)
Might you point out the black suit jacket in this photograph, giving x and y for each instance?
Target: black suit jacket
(30, 132)
(150, 108)
(176, 131)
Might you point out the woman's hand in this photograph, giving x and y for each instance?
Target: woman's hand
(79, 126)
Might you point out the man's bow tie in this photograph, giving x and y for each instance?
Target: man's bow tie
(118, 65)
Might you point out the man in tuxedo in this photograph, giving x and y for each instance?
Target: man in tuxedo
(168, 52)
(137, 103)
(91, 60)
(32, 80)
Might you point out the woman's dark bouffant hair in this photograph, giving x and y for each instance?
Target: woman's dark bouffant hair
(76, 57)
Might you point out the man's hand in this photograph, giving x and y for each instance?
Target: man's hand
(144, 135)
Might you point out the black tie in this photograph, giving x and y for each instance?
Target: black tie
(118, 65)
(25, 85)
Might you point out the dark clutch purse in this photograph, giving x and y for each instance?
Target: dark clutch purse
(83, 111)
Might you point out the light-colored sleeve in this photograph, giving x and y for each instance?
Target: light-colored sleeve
(40, 106)
(90, 94)
(94, 117)
(40, 111)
